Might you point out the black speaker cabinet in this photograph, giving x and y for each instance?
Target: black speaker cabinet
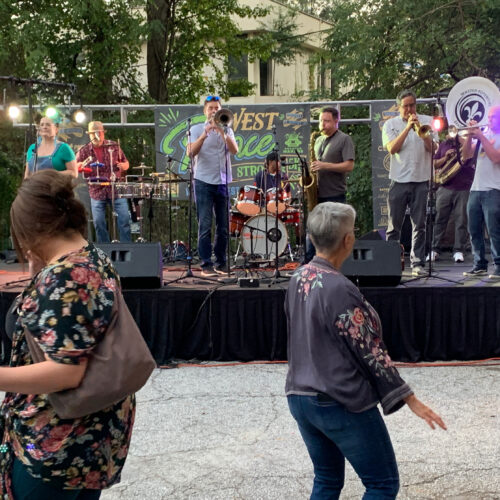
(139, 265)
(374, 263)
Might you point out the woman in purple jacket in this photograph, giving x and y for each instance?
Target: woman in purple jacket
(339, 368)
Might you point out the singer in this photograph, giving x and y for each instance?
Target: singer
(48, 152)
(108, 163)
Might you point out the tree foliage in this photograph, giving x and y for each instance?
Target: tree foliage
(92, 43)
(378, 47)
(190, 42)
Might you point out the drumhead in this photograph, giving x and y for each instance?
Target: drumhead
(254, 236)
(471, 99)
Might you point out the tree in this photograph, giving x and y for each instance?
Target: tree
(92, 43)
(378, 47)
(190, 43)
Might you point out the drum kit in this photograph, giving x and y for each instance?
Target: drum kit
(261, 221)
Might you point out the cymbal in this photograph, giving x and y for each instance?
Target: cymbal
(141, 167)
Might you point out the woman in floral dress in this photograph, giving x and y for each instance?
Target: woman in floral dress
(339, 369)
(66, 308)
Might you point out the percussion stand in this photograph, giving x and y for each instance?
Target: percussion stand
(112, 178)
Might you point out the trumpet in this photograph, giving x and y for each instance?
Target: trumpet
(224, 117)
(422, 131)
(462, 131)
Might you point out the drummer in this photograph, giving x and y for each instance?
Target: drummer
(271, 177)
(108, 162)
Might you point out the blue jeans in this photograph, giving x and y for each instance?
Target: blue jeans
(332, 434)
(484, 208)
(211, 199)
(310, 250)
(99, 216)
(27, 487)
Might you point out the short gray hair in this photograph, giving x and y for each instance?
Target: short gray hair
(405, 93)
(328, 223)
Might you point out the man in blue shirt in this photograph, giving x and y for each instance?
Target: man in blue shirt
(211, 146)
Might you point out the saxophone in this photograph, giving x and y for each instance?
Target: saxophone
(311, 178)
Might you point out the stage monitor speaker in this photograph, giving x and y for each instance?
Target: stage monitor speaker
(139, 265)
(374, 263)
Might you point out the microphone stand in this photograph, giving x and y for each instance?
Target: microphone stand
(277, 232)
(430, 201)
(228, 207)
(189, 257)
(304, 172)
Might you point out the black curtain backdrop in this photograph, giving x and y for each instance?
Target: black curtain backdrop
(420, 324)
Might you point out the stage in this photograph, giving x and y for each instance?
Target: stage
(193, 319)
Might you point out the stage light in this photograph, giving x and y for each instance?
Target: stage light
(14, 112)
(439, 123)
(79, 116)
(51, 113)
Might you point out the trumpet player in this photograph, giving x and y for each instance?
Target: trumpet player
(211, 146)
(483, 207)
(408, 140)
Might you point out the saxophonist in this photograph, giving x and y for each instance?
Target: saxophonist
(334, 153)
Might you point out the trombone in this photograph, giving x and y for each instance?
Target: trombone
(462, 131)
(223, 118)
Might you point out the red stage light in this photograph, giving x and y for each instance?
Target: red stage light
(439, 123)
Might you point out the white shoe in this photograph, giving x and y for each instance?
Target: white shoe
(458, 257)
(418, 271)
(434, 256)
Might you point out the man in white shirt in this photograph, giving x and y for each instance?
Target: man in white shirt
(211, 147)
(410, 171)
(484, 198)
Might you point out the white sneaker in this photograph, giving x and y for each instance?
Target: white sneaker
(434, 256)
(458, 257)
(418, 271)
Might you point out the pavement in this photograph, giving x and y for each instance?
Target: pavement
(224, 432)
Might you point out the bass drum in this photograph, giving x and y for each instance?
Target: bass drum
(254, 236)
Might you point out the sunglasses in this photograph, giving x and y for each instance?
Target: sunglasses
(211, 98)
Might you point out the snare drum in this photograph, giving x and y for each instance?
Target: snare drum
(283, 200)
(236, 222)
(248, 202)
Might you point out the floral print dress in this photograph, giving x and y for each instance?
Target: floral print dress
(67, 308)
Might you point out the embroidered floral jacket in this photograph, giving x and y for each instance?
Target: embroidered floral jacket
(335, 343)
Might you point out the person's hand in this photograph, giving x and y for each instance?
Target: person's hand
(316, 166)
(423, 411)
(412, 121)
(450, 153)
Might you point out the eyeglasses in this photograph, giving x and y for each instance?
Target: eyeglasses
(211, 98)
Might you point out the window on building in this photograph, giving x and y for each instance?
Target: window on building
(238, 76)
(266, 77)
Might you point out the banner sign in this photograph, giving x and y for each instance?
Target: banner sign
(258, 129)
(380, 112)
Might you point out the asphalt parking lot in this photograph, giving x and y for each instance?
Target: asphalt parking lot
(224, 432)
